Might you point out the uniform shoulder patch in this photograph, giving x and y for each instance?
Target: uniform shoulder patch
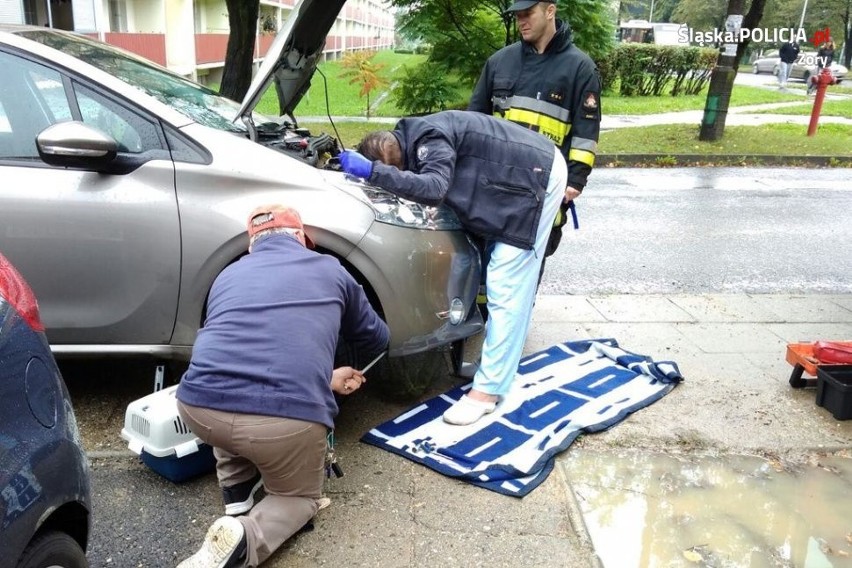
(422, 152)
(590, 101)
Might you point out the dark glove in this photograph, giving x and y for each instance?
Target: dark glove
(356, 164)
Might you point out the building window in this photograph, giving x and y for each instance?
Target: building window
(117, 16)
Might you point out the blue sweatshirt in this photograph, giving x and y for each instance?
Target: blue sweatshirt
(273, 321)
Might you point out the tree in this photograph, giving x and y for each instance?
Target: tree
(722, 79)
(360, 68)
(702, 15)
(239, 55)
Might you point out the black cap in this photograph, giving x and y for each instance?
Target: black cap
(526, 5)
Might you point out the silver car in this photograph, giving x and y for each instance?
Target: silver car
(803, 68)
(126, 189)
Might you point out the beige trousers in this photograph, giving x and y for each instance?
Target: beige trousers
(290, 456)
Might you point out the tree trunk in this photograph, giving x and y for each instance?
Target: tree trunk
(239, 56)
(722, 78)
(847, 35)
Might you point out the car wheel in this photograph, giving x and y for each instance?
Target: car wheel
(405, 378)
(755, 69)
(398, 378)
(53, 549)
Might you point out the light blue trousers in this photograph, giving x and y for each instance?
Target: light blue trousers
(510, 283)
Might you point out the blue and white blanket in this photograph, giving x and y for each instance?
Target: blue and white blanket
(570, 388)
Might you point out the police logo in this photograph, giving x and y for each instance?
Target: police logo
(422, 152)
(591, 102)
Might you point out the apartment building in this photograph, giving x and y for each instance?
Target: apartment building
(190, 36)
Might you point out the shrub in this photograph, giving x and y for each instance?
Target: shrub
(646, 69)
(424, 88)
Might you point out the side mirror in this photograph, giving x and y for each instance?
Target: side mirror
(76, 145)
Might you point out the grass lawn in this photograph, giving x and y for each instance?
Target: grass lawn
(344, 98)
(677, 139)
(829, 108)
(742, 95)
(770, 139)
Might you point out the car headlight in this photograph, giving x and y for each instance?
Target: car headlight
(394, 210)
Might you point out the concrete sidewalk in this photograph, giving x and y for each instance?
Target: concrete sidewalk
(737, 116)
(731, 349)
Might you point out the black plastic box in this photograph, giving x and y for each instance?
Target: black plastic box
(834, 390)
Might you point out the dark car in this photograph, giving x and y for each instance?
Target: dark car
(45, 503)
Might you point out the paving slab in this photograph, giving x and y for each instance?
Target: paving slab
(644, 308)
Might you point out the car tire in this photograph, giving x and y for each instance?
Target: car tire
(406, 378)
(53, 549)
(755, 69)
(398, 378)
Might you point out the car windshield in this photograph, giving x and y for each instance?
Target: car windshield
(197, 102)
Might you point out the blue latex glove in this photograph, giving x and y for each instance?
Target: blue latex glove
(356, 164)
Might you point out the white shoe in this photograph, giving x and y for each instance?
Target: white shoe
(467, 411)
(224, 546)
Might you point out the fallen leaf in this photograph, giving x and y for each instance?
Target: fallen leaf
(693, 556)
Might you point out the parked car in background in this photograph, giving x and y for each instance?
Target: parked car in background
(126, 190)
(45, 501)
(804, 68)
(766, 63)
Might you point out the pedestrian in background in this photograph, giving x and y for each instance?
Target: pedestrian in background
(825, 57)
(505, 183)
(261, 386)
(788, 54)
(546, 83)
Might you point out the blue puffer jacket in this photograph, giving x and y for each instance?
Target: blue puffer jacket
(491, 172)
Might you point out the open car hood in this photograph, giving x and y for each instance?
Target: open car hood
(293, 56)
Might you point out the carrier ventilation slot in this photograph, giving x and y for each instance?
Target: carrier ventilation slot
(180, 427)
(140, 425)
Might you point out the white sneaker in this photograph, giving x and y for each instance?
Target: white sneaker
(224, 546)
(467, 411)
(323, 503)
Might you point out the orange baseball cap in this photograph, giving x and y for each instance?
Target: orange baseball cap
(276, 216)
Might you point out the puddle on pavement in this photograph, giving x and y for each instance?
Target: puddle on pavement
(658, 510)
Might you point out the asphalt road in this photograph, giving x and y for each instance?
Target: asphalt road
(708, 230)
(642, 231)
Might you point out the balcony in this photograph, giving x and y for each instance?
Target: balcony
(150, 46)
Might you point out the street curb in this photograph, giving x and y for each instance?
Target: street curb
(679, 160)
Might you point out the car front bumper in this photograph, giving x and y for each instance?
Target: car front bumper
(416, 276)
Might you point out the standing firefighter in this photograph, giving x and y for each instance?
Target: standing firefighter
(544, 82)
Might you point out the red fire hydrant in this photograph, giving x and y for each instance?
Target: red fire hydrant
(822, 81)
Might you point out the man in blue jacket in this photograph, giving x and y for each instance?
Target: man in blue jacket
(261, 382)
(505, 183)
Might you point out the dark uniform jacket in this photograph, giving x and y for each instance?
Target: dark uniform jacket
(492, 173)
(556, 93)
(789, 52)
